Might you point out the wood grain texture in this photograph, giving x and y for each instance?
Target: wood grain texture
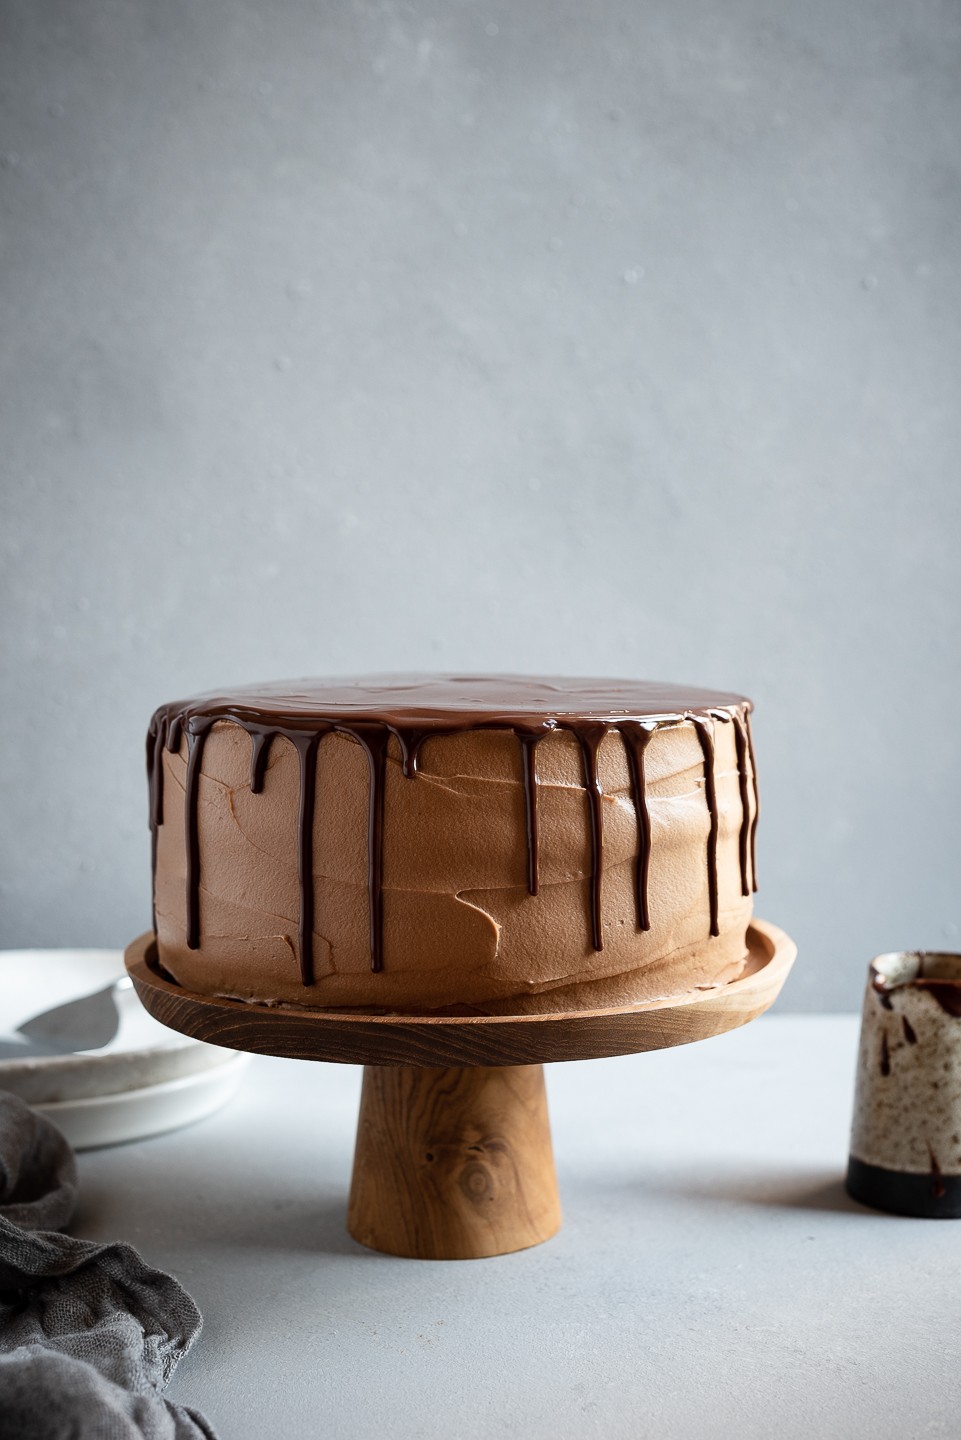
(453, 1164)
(441, 1041)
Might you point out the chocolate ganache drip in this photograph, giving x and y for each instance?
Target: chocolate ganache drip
(415, 708)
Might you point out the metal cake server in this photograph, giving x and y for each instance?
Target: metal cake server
(88, 1023)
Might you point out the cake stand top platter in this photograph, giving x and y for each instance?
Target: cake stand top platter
(474, 1040)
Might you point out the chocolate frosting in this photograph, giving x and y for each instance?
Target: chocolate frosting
(415, 707)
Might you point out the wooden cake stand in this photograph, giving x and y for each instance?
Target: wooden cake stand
(453, 1158)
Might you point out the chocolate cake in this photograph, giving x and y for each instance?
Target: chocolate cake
(443, 844)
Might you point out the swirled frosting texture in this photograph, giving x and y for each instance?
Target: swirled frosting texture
(429, 874)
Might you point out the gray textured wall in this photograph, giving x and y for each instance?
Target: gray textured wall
(613, 338)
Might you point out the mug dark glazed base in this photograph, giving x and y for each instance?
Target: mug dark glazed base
(901, 1192)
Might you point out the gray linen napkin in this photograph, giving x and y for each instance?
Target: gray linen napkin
(89, 1334)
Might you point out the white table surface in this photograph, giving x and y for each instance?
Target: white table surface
(711, 1277)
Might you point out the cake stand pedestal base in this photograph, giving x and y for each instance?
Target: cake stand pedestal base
(453, 1164)
(453, 1158)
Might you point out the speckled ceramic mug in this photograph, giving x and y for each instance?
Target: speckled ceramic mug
(906, 1133)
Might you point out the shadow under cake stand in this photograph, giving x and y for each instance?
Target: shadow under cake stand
(453, 1159)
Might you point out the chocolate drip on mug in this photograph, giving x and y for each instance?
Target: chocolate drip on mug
(944, 993)
(938, 1186)
(636, 738)
(705, 734)
(415, 709)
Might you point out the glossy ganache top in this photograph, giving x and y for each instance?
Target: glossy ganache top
(452, 702)
(412, 708)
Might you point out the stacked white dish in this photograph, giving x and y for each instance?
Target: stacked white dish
(146, 1080)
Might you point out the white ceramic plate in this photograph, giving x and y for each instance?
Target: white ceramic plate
(147, 1080)
(135, 1114)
